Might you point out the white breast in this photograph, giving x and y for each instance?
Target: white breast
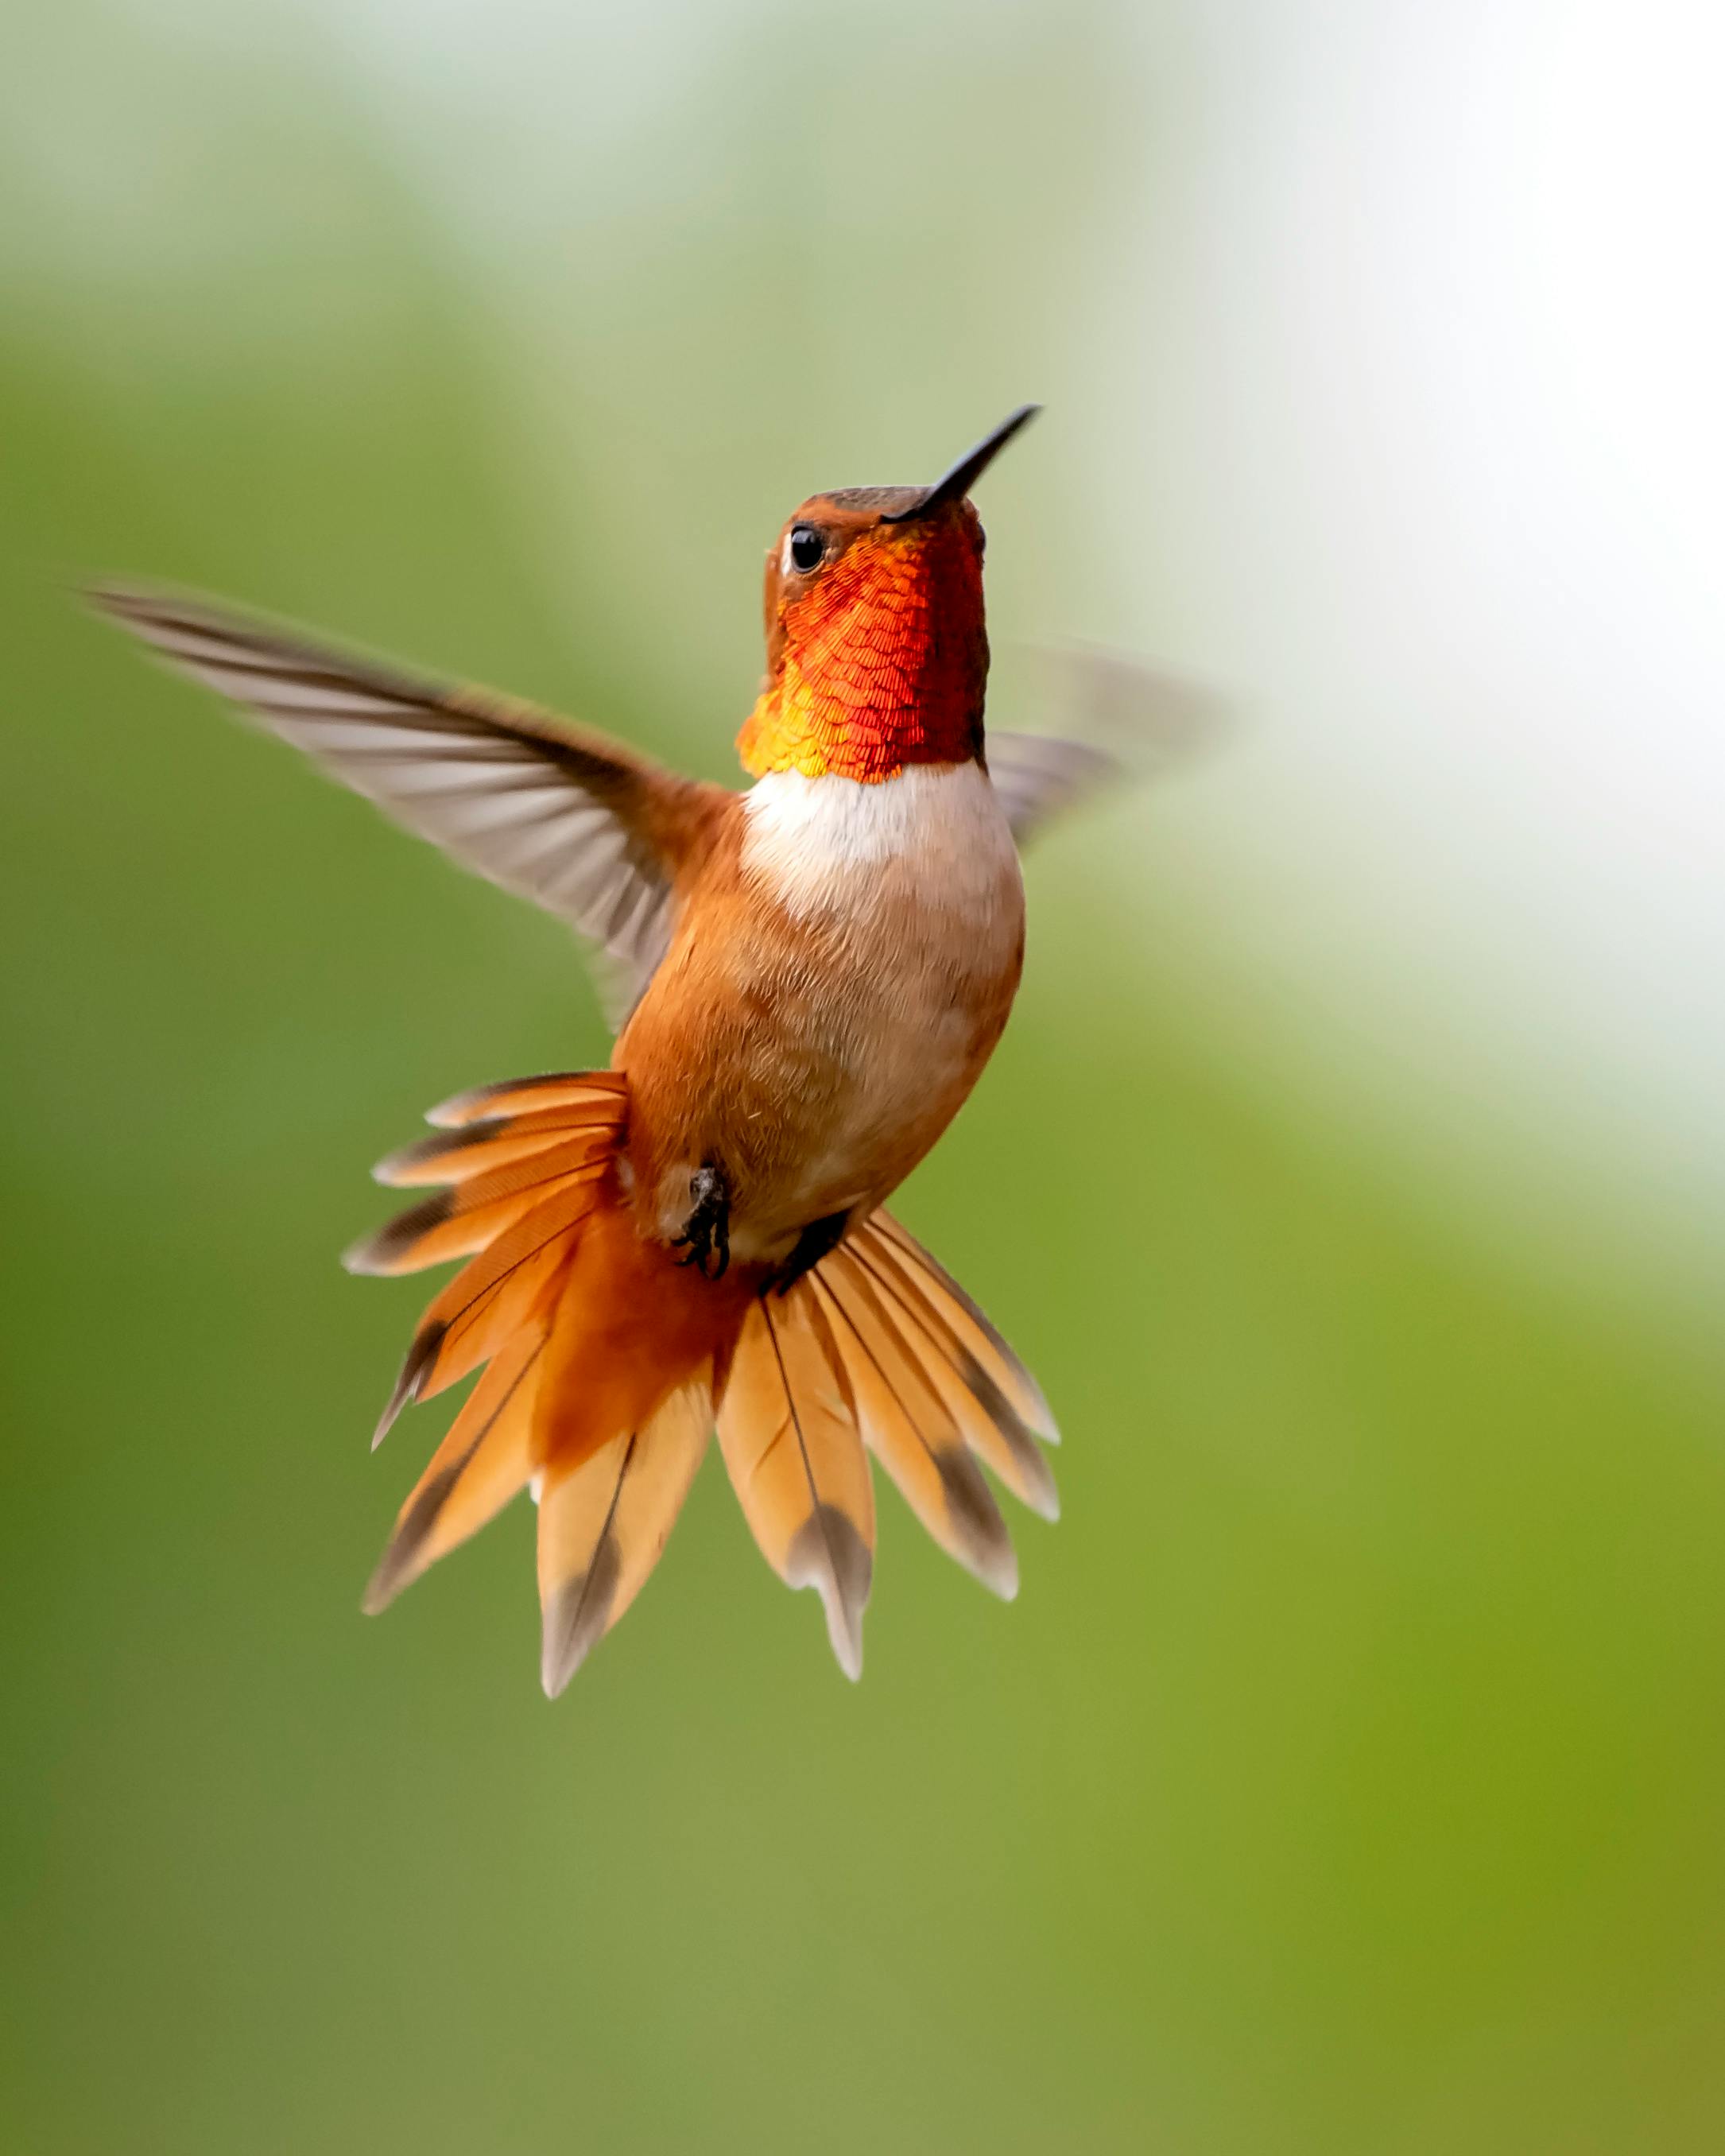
(833, 845)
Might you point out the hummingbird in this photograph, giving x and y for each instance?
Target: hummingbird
(814, 972)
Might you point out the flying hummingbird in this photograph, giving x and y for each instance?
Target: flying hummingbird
(816, 970)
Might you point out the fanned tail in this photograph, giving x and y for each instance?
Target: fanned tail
(604, 1359)
(878, 1347)
(598, 1349)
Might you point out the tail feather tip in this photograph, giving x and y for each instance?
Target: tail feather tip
(570, 1636)
(846, 1639)
(830, 1555)
(999, 1573)
(578, 1615)
(420, 1357)
(380, 1589)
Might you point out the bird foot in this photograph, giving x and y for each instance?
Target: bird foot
(706, 1232)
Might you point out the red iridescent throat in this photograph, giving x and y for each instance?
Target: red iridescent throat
(883, 665)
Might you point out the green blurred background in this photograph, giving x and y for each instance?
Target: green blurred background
(1350, 1773)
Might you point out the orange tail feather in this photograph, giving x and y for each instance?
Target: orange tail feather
(607, 1359)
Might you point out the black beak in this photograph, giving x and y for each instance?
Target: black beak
(955, 484)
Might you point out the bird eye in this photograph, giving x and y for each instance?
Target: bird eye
(805, 548)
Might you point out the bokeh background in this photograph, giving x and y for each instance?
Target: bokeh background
(1350, 1774)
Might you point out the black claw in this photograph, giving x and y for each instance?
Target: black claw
(707, 1229)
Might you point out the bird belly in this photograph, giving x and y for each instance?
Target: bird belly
(814, 1029)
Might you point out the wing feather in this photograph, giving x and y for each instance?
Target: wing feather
(1128, 722)
(575, 822)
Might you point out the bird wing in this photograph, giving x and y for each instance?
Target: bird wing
(1131, 722)
(1037, 776)
(584, 827)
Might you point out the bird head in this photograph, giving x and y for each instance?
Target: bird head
(877, 656)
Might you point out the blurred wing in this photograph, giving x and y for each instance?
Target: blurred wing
(1037, 776)
(1128, 722)
(581, 825)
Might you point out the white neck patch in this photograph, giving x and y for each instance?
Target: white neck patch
(810, 838)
